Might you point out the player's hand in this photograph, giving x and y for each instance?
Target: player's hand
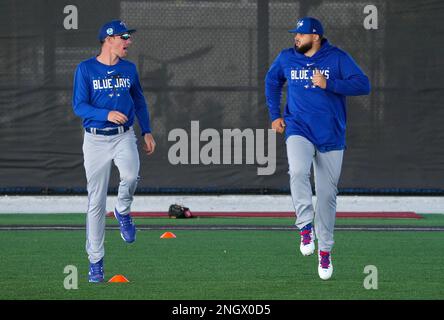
(319, 79)
(117, 117)
(278, 125)
(149, 144)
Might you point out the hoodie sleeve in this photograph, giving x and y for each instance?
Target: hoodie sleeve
(80, 100)
(353, 83)
(141, 107)
(274, 82)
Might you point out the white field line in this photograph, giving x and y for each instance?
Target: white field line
(245, 203)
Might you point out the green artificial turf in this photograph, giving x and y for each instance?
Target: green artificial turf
(79, 219)
(222, 265)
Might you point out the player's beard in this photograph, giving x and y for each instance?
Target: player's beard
(304, 48)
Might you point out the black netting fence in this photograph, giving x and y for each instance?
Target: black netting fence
(206, 61)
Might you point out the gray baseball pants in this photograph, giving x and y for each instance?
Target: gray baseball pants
(301, 155)
(99, 152)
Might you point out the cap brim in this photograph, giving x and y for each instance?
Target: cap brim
(127, 31)
(297, 31)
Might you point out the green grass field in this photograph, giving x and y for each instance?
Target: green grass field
(229, 265)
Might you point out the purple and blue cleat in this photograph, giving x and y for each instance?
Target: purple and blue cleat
(127, 227)
(96, 273)
(307, 246)
(325, 268)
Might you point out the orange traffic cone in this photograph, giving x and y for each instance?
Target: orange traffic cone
(168, 235)
(118, 278)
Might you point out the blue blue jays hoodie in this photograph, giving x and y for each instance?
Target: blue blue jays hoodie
(314, 113)
(100, 88)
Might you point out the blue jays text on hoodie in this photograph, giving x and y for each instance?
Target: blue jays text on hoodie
(100, 88)
(317, 114)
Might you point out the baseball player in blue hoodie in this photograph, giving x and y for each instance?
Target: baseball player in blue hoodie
(319, 76)
(107, 95)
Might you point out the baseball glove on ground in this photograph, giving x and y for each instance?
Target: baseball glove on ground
(179, 212)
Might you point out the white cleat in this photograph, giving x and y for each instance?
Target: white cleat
(325, 267)
(307, 246)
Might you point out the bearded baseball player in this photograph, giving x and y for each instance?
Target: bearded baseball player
(107, 95)
(319, 76)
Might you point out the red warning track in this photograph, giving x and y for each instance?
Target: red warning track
(285, 214)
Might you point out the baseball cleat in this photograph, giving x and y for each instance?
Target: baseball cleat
(325, 268)
(96, 273)
(307, 246)
(127, 227)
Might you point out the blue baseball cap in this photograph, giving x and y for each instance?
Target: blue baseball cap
(112, 28)
(308, 25)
